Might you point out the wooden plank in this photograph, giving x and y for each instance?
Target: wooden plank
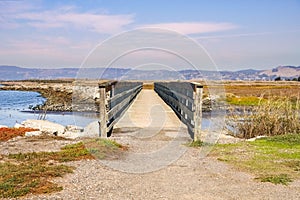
(119, 106)
(118, 118)
(185, 109)
(176, 93)
(117, 96)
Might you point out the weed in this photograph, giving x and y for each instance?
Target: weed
(71, 152)
(288, 139)
(268, 158)
(104, 148)
(267, 89)
(30, 172)
(244, 101)
(20, 179)
(283, 179)
(272, 117)
(197, 143)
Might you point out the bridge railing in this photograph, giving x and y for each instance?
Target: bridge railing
(185, 98)
(115, 98)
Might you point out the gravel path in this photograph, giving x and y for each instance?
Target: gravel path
(188, 178)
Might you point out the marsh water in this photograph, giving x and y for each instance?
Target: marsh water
(15, 107)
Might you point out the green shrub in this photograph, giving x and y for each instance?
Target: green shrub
(283, 179)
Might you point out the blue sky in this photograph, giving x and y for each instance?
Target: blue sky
(236, 34)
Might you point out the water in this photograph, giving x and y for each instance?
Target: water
(15, 108)
(19, 100)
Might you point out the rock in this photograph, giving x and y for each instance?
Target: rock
(73, 128)
(17, 125)
(72, 132)
(228, 139)
(45, 126)
(91, 130)
(257, 137)
(3, 126)
(72, 135)
(33, 133)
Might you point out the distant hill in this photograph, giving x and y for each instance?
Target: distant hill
(283, 72)
(19, 73)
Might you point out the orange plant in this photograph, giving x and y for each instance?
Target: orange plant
(8, 133)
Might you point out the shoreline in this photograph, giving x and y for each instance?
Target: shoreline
(58, 95)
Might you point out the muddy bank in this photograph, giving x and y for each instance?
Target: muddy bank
(58, 94)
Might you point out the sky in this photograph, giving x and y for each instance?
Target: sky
(233, 34)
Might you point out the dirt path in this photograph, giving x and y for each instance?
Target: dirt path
(187, 178)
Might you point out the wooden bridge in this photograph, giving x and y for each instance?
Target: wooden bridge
(127, 104)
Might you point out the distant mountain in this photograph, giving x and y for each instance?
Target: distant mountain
(19, 73)
(283, 72)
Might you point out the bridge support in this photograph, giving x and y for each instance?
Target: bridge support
(102, 112)
(198, 112)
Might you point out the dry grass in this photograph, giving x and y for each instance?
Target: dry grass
(272, 117)
(24, 173)
(249, 93)
(266, 89)
(31, 172)
(148, 86)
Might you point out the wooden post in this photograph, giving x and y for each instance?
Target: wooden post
(198, 89)
(102, 112)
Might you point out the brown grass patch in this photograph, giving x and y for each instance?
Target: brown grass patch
(26, 173)
(9, 133)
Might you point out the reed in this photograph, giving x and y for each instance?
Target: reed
(275, 116)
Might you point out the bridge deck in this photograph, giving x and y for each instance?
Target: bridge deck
(149, 111)
(153, 133)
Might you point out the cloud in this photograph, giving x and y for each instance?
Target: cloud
(12, 7)
(101, 23)
(66, 17)
(194, 27)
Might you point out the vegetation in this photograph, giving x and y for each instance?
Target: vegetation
(197, 143)
(104, 149)
(277, 78)
(9, 133)
(273, 159)
(68, 153)
(277, 179)
(272, 117)
(263, 89)
(26, 173)
(45, 80)
(243, 101)
(20, 179)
